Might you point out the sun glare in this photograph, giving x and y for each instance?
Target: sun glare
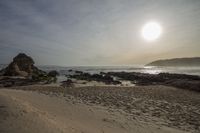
(151, 31)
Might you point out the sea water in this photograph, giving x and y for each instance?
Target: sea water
(142, 69)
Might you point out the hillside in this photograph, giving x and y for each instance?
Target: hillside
(194, 61)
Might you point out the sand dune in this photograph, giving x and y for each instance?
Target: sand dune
(34, 112)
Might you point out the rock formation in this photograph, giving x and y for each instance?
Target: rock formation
(22, 65)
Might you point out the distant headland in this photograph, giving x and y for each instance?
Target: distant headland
(192, 61)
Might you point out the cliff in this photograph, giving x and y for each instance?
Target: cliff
(194, 61)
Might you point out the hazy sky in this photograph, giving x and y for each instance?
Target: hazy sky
(97, 32)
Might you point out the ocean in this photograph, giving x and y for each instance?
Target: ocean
(142, 69)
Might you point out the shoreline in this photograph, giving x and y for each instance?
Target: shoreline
(80, 78)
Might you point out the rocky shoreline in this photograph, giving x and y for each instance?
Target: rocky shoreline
(182, 81)
(107, 79)
(21, 71)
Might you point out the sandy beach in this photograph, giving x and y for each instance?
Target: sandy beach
(54, 109)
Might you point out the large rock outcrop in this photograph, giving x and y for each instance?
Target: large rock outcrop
(21, 71)
(22, 65)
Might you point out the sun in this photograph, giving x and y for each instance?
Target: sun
(151, 31)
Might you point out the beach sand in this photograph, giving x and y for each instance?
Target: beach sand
(50, 109)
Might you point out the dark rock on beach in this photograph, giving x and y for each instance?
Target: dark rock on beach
(183, 81)
(53, 73)
(78, 72)
(107, 79)
(11, 81)
(67, 83)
